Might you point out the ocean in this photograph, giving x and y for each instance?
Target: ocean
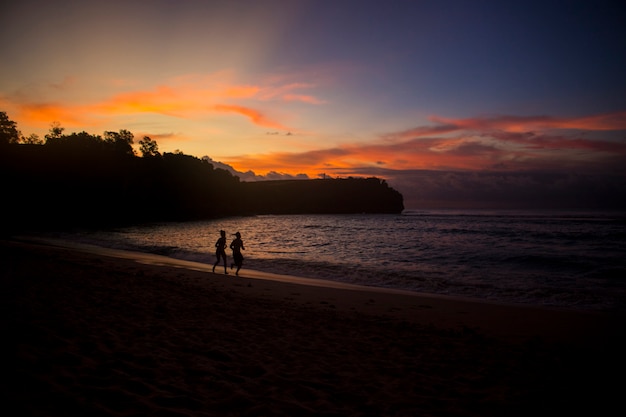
(574, 260)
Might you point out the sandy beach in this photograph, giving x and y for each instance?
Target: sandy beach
(96, 334)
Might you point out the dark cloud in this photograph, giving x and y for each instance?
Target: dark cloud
(430, 189)
(512, 190)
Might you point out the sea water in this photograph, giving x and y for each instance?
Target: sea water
(566, 259)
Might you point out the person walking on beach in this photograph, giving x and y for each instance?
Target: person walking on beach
(237, 245)
(220, 251)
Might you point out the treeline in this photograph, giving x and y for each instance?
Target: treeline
(90, 180)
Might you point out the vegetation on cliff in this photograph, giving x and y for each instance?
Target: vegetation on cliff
(82, 179)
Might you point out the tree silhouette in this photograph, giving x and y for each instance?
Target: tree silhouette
(121, 142)
(148, 147)
(8, 130)
(55, 132)
(31, 139)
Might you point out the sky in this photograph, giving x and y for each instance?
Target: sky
(456, 104)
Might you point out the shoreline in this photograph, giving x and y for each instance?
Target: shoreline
(101, 335)
(553, 279)
(498, 318)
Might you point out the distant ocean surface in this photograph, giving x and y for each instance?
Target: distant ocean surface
(566, 259)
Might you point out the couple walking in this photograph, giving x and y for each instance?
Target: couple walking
(236, 245)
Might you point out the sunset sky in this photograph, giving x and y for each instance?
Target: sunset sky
(455, 103)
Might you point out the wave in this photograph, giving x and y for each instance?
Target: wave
(561, 261)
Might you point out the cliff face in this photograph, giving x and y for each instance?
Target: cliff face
(351, 195)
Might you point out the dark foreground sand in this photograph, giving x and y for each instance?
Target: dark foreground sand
(99, 336)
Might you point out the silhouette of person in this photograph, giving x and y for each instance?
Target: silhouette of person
(237, 245)
(220, 251)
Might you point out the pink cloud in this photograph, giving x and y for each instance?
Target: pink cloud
(601, 122)
(484, 141)
(289, 92)
(303, 98)
(506, 142)
(555, 142)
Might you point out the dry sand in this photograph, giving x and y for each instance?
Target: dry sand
(105, 335)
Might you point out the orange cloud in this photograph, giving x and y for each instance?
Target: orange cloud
(186, 96)
(255, 116)
(410, 155)
(49, 112)
(42, 114)
(186, 102)
(162, 100)
(239, 91)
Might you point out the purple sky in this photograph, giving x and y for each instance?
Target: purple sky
(461, 104)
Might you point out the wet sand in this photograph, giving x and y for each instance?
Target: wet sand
(121, 334)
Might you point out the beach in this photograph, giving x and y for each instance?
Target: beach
(109, 335)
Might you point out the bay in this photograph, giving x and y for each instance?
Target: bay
(560, 259)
